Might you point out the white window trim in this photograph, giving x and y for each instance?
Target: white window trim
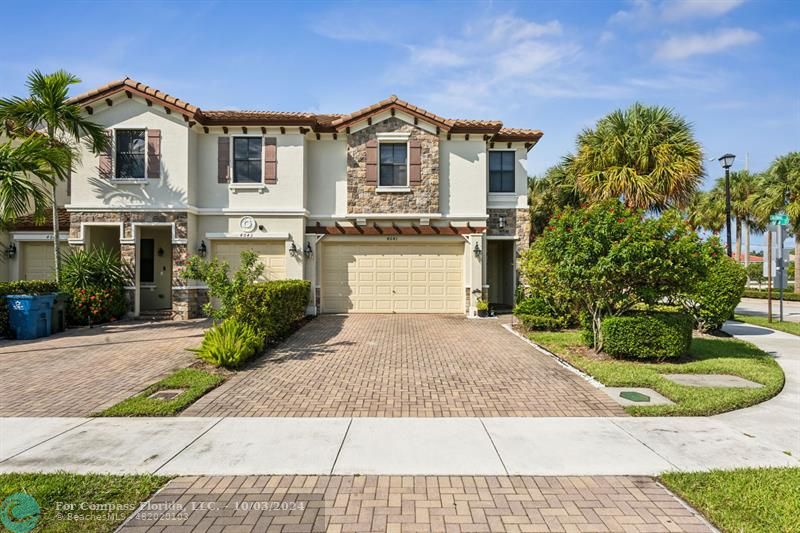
(135, 181)
(233, 185)
(394, 137)
(489, 175)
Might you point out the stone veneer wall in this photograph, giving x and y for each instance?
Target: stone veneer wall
(186, 302)
(363, 198)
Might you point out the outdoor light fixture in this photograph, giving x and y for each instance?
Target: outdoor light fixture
(727, 162)
(477, 250)
(201, 250)
(501, 222)
(11, 251)
(293, 251)
(308, 251)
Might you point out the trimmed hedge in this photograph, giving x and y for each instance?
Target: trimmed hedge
(273, 307)
(541, 323)
(713, 300)
(647, 335)
(20, 287)
(762, 293)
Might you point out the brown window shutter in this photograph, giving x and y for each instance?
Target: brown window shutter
(106, 158)
(414, 162)
(223, 159)
(372, 162)
(154, 154)
(270, 160)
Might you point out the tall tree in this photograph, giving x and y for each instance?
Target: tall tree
(48, 110)
(706, 211)
(744, 193)
(645, 155)
(27, 167)
(548, 193)
(781, 192)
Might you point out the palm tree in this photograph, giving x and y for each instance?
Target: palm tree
(646, 155)
(744, 192)
(781, 192)
(49, 110)
(706, 211)
(27, 168)
(557, 188)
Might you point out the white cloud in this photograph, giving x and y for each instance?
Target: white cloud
(439, 55)
(696, 9)
(685, 46)
(507, 28)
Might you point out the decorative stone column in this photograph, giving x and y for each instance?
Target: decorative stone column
(127, 252)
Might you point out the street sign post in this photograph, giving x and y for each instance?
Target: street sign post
(777, 260)
(779, 219)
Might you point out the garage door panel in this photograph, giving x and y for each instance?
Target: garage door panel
(38, 261)
(392, 278)
(270, 253)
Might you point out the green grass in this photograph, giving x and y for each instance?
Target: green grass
(788, 327)
(745, 500)
(196, 382)
(708, 356)
(124, 493)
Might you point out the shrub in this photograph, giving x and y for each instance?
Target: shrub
(482, 305)
(713, 299)
(230, 343)
(755, 273)
(226, 289)
(20, 287)
(539, 322)
(648, 335)
(273, 307)
(756, 293)
(95, 305)
(95, 280)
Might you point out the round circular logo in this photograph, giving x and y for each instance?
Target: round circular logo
(20, 513)
(247, 224)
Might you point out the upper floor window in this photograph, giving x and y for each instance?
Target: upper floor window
(501, 171)
(394, 165)
(130, 154)
(247, 159)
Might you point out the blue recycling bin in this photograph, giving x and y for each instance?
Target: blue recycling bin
(30, 315)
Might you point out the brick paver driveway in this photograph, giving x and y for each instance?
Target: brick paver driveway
(404, 365)
(422, 504)
(86, 370)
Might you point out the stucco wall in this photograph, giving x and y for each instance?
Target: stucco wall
(463, 180)
(327, 177)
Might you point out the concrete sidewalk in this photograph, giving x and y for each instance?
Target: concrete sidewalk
(758, 436)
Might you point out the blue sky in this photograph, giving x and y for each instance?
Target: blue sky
(729, 66)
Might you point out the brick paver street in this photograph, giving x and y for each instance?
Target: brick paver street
(419, 504)
(81, 371)
(405, 365)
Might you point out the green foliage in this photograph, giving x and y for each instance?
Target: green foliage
(230, 344)
(195, 382)
(226, 289)
(787, 327)
(605, 259)
(273, 308)
(646, 155)
(712, 300)
(536, 314)
(20, 287)
(95, 280)
(648, 335)
(27, 168)
(556, 189)
(482, 305)
(755, 273)
(533, 322)
(96, 305)
(763, 293)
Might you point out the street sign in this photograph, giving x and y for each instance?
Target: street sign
(779, 219)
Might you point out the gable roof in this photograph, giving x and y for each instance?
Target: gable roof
(317, 122)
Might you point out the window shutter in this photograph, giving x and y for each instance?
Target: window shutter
(223, 159)
(415, 162)
(106, 158)
(154, 154)
(270, 160)
(372, 162)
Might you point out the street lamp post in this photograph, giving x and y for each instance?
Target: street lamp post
(727, 162)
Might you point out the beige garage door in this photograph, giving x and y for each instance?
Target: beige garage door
(272, 255)
(392, 278)
(37, 260)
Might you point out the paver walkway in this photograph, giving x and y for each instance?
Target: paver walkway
(85, 370)
(405, 366)
(422, 504)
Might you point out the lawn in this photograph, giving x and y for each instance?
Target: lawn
(709, 355)
(788, 327)
(196, 382)
(745, 500)
(61, 496)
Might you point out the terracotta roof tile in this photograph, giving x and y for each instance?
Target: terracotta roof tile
(27, 222)
(133, 85)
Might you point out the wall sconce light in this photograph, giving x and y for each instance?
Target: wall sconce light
(160, 252)
(501, 222)
(11, 251)
(308, 251)
(202, 250)
(293, 251)
(477, 250)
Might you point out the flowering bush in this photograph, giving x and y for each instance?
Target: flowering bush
(95, 305)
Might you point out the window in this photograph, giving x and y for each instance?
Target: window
(394, 168)
(247, 159)
(147, 261)
(501, 171)
(130, 154)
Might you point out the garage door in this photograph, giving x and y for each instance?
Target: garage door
(272, 255)
(37, 260)
(392, 278)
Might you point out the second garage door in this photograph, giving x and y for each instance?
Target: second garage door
(392, 278)
(272, 255)
(38, 260)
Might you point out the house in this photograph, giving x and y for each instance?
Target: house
(388, 209)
